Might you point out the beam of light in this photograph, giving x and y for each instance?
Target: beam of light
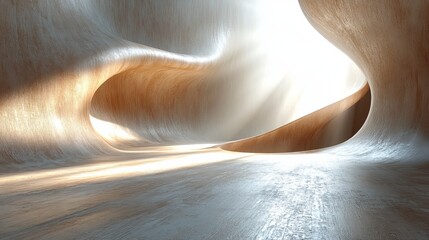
(113, 132)
(110, 171)
(317, 73)
(283, 54)
(190, 147)
(163, 148)
(123, 169)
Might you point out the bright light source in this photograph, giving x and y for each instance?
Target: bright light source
(319, 73)
(109, 171)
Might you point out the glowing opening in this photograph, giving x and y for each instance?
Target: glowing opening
(319, 73)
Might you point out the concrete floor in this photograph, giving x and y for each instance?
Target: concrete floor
(213, 194)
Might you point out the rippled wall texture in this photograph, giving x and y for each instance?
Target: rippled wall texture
(81, 78)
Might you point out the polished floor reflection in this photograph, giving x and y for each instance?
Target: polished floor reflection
(215, 194)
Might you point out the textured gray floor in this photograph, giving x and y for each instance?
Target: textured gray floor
(305, 196)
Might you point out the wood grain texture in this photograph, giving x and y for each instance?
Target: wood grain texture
(168, 80)
(315, 130)
(389, 41)
(91, 91)
(166, 72)
(56, 54)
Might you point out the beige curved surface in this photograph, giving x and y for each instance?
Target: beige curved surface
(84, 78)
(392, 49)
(55, 55)
(84, 81)
(316, 130)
